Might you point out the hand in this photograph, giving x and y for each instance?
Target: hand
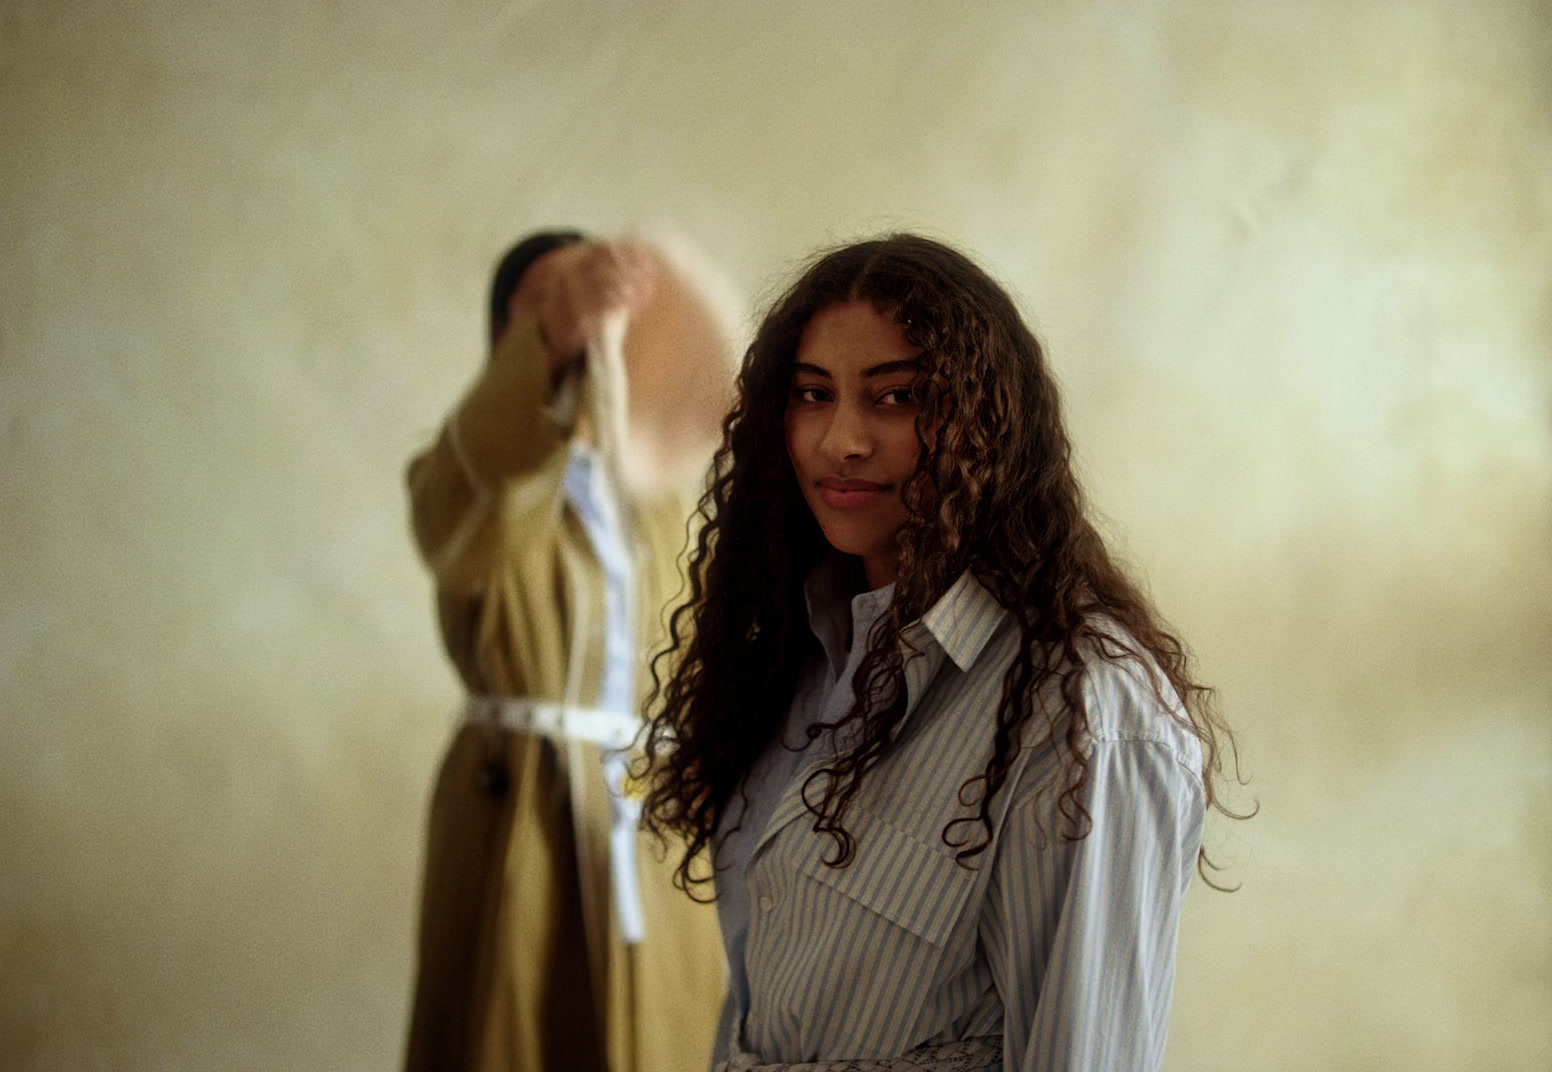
(572, 290)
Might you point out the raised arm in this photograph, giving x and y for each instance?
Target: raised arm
(505, 429)
(517, 415)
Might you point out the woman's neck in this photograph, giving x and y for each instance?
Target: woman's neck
(880, 567)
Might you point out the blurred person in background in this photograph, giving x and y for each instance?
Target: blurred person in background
(550, 512)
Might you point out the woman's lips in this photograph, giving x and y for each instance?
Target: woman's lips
(849, 494)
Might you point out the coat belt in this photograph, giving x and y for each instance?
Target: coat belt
(608, 729)
(613, 732)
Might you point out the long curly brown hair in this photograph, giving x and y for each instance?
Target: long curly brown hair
(993, 493)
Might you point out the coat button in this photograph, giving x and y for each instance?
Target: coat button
(493, 778)
(766, 904)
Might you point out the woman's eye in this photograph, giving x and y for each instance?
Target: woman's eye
(898, 396)
(808, 394)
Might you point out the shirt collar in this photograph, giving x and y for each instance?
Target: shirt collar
(963, 620)
(834, 612)
(960, 622)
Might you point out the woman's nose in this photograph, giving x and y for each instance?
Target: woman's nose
(848, 435)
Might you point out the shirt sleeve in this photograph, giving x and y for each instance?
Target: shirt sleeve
(504, 430)
(724, 1041)
(1081, 935)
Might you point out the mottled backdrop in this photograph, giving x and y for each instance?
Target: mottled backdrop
(1294, 263)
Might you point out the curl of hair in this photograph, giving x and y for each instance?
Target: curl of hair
(994, 493)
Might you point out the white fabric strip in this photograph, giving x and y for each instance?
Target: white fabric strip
(563, 722)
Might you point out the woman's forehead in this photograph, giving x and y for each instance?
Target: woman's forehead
(853, 337)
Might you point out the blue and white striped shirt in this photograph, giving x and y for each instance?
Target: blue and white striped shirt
(1065, 948)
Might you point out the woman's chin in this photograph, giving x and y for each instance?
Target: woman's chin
(851, 543)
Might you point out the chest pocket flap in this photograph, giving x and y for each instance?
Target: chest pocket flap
(912, 884)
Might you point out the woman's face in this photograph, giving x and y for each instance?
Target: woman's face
(851, 430)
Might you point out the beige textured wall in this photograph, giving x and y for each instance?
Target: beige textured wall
(1294, 261)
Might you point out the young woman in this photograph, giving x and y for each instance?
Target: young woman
(950, 767)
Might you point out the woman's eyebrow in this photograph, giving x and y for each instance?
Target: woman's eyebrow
(892, 366)
(876, 370)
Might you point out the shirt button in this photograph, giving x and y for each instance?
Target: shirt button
(766, 904)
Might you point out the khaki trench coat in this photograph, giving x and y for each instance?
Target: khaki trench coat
(521, 964)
